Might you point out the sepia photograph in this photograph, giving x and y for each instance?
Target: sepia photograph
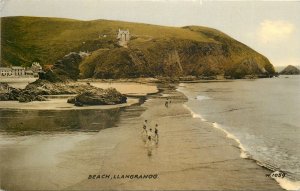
(100, 95)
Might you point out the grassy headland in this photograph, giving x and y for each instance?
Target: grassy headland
(153, 50)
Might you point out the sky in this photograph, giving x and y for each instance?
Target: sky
(270, 27)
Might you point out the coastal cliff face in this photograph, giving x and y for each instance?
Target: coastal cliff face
(152, 50)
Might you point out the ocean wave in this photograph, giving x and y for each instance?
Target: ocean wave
(244, 154)
(195, 115)
(287, 183)
(284, 183)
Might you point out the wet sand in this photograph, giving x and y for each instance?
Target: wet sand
(59, 104)
(191, 154)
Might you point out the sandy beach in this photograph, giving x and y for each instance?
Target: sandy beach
(128, 88)
(190, 155)
(59, 104)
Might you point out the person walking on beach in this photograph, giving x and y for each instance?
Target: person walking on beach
(156, 133)
(144, 131)
(150, 133)
(149, 145)
(150, 142)
(145, 124)
(167, 103)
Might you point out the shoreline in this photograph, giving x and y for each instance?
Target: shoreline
(191, 154)
(286, 183)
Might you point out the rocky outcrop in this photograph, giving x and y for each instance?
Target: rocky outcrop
(44, 87)
(63, 70)
(14, 94)
(290, 70)
(177, 58)
(98, 96)
(87, 94)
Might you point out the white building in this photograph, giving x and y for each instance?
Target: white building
(12, 71)
(18, 70)
(15, 71)
(123, 37)
(4, 71)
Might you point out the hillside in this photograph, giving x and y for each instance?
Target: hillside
(152, 51)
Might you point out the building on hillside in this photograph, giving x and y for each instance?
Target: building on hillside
(5, 71)
(18, 71)
(123, 37)
(29, 73)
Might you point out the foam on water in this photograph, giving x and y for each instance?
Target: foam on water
(243, 154)
(195, 115)
(285, 183)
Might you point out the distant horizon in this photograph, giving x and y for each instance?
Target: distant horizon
(270, 28)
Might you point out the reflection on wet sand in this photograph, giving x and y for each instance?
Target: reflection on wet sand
(39, 120)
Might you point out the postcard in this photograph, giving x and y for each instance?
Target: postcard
(149, 95)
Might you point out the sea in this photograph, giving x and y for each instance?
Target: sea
(261, 115)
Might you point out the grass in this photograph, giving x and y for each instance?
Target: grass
(202, 50)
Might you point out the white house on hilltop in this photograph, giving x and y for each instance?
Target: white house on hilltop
(123, 37)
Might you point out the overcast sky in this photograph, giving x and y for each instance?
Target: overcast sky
(271, 28)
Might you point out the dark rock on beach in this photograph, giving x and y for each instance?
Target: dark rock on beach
(98, 96)
(87, 94)
(14, 94)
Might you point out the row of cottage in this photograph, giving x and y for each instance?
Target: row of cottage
(21, 71)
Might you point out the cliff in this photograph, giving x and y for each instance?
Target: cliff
(152, 51)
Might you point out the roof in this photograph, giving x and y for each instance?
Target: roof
(17, 67)
(5, 68)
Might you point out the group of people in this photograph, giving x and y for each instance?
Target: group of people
(150, 136)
